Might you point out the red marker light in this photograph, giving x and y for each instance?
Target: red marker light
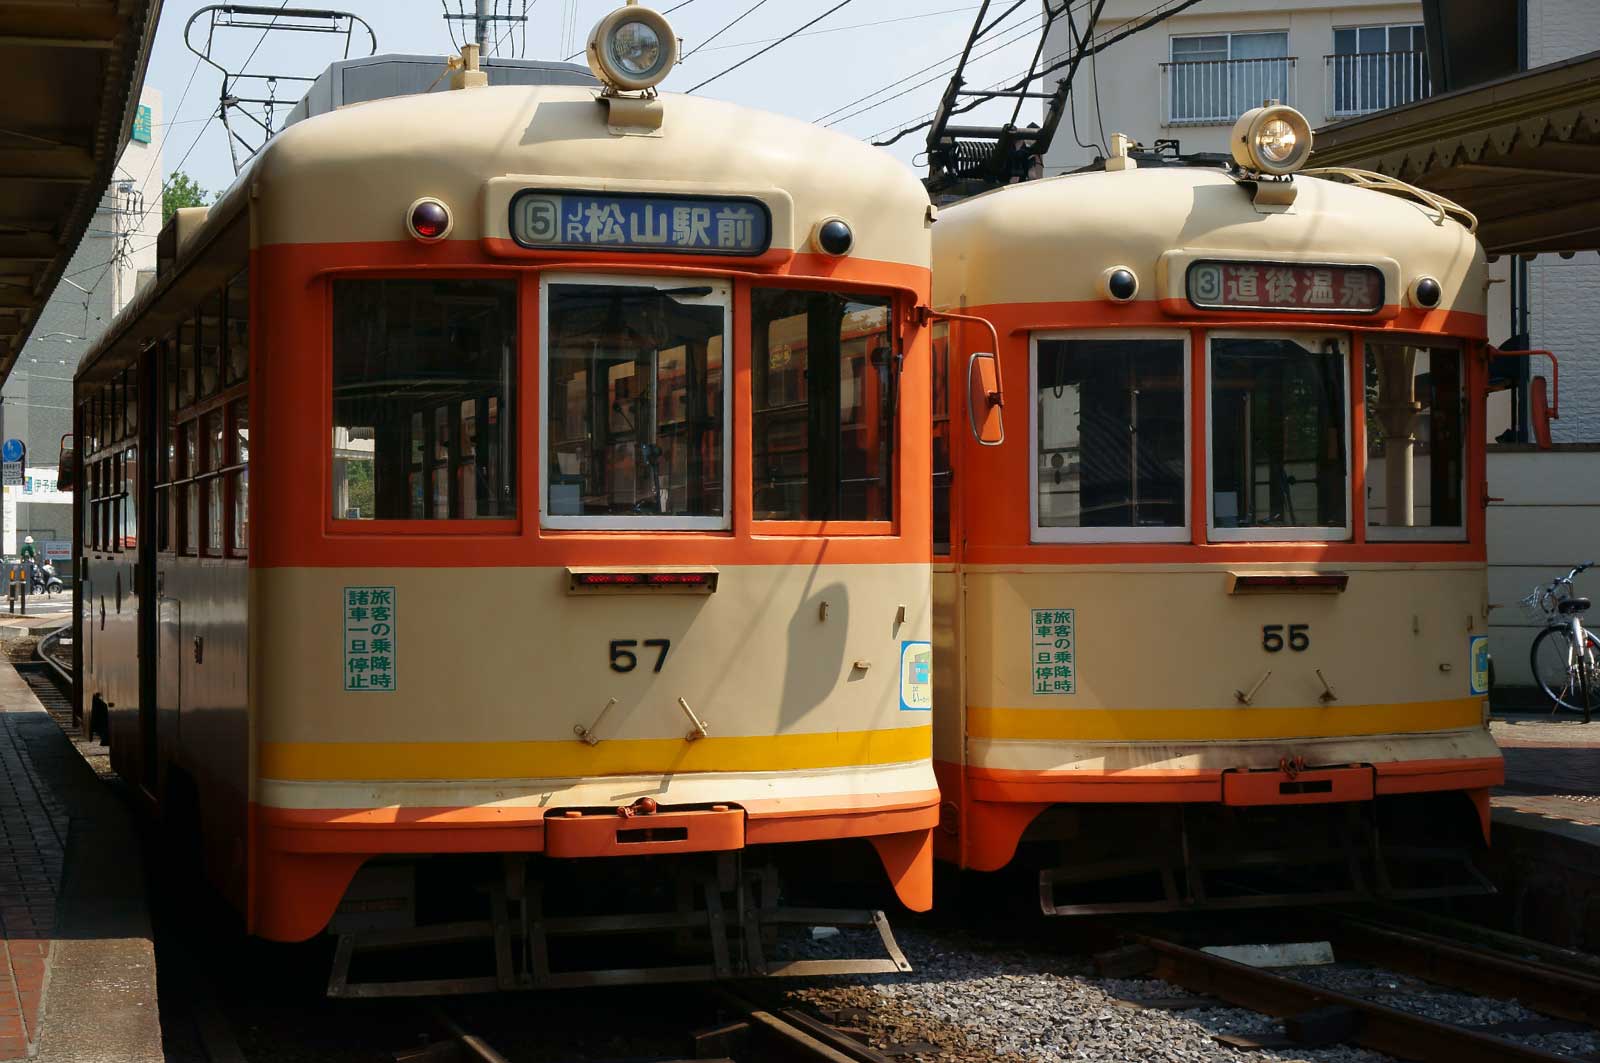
(429, 220)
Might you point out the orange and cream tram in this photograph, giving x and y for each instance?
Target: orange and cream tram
(507, 492)
(1209, 570)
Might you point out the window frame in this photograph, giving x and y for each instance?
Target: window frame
(725, 292)
(454, 527)
(1177, 534)
(1298, 533)
(1432, 533)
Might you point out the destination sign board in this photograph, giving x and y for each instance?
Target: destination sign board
(676, 224)
(1284, 286)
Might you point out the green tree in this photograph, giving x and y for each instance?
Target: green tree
(181, 191)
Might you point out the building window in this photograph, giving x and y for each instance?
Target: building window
(1214, 79)
(1373, 68)
(636, 404)
(408, 356)
(1416, 431)
(1279, 459)
(1110, 434)
(824, 375)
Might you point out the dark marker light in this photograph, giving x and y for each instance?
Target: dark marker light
(833, 237)
(1119, 284)
(429, 220)
(1427, 292)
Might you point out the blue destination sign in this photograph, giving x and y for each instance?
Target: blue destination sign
(681, 224)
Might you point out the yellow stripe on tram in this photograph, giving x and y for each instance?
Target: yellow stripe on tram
(1241, 724)
(330, 761)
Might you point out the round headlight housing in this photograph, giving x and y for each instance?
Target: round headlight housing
(1272, 139)
(632, 49)
(428, 220)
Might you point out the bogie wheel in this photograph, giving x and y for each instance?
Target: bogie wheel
(1569, 680)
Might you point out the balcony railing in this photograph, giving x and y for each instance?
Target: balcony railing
(1217, 91)
(1375, 81)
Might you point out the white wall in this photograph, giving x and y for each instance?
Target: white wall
(1548, 522)
(1129, 72)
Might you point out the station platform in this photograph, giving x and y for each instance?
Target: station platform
(1545, 853)
(77, 967)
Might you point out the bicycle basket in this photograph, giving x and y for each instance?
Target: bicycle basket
(1532, 607)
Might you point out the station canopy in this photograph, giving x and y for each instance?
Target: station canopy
(1521, 152)
(69, 77)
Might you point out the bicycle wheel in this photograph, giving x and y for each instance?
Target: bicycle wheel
(1566, 678)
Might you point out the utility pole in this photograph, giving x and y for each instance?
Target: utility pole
(483, 21)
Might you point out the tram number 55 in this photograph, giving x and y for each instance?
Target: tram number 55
(1272, 637)
(623, 659)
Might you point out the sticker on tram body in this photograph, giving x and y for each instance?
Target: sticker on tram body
(916, 676)
(369, 642)
(703, 225)
(1054, 651)
(1285, 286)
(1478, 663)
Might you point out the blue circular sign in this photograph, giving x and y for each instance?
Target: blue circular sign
(12, 450)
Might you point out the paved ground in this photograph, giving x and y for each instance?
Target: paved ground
(1552, 768)
(77, 971)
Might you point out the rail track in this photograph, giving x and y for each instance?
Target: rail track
(1558, 983)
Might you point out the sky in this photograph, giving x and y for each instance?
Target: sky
(830, 72)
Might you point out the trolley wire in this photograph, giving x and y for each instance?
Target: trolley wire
(843, 29)
(768, 48)
(1016, 34)
(746, 13)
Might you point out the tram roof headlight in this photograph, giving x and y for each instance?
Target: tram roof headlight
(632, 49)
(1272, 139)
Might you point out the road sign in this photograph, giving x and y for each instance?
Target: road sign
(12, 474)
(13, 450)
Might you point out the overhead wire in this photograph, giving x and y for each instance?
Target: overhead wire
(746, 13)
(843, 29)
(1016, 34)
(768, 48)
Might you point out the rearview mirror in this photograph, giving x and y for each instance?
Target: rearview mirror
(67, 465)
(984, 413)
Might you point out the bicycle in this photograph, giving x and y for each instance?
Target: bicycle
(1566, 655)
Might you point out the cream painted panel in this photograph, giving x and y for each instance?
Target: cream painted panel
(496, 654)
(1007, 246)
(1174, 637)
(350, 175)
(1546, 477)
(1221, 756)
(1547, 536)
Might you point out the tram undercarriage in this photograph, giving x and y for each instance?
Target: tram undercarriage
(1203, 856)
(464, 924)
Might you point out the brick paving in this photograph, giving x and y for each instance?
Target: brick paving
(1552, 767)
(33, 829)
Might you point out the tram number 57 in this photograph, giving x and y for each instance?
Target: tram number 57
(1272, 637)
(623, 659)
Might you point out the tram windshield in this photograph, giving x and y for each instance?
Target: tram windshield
(424, 376)
(823, 376)
(1416, 441)
(1279, 455)
(1110, 440)
(635, 403)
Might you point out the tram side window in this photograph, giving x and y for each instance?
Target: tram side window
(1416, 417)
(237, 332)
(208, 346)
(823, 373)
(1111, 434)
(1278, 441)
(636, 405)
(424, 376)
(943, 470)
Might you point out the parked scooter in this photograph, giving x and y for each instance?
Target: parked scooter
(45, 580)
